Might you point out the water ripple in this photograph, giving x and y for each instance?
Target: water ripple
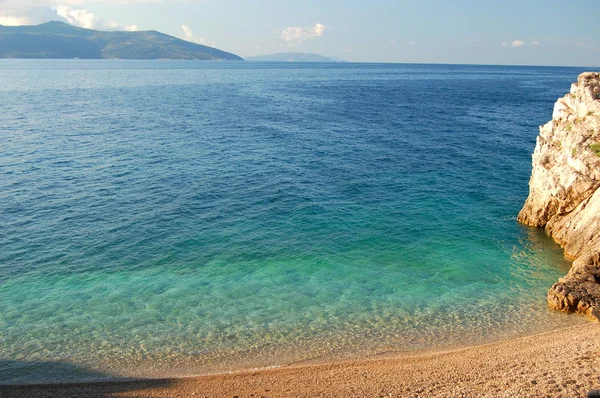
(168, 218)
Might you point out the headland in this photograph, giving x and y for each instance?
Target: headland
(564, 195)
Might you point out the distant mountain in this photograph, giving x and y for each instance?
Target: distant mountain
(293, 57)
(60, 40)
(336, 59)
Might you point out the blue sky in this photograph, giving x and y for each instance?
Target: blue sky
(526, 32)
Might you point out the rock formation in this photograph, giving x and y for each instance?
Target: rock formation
(564, 194)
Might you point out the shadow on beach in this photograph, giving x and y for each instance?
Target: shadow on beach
(63, 379)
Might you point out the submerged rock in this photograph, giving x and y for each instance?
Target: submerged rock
(564, 194)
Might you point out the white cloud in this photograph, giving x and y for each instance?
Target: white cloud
(412, 42)
(81, 18)
(297, 33)
(188, 35)
(85, 19)
(582, 42)
(50, 3)
(534, 43)
(113, 25)
(32, 12)
(14, 12)
(514, 43)
(14, 21)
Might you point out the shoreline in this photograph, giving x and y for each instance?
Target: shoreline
(563, 362)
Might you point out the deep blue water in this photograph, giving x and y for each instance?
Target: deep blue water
(161, 218)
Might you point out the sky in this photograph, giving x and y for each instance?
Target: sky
(525, 32)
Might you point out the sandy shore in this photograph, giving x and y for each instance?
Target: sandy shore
(563, 363)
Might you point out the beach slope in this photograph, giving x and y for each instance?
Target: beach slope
(562, 363)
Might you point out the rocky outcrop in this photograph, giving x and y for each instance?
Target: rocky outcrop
(564, 194)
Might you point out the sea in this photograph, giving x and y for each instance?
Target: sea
(174, 218)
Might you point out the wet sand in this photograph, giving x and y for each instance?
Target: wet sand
(562, 363)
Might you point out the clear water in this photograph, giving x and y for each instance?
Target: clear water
(170, 218)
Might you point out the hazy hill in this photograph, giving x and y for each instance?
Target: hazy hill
(292, 57)
(60, 40)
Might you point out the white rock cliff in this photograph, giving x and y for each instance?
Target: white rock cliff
(564, 194)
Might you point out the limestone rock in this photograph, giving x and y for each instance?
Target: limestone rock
(564, 193)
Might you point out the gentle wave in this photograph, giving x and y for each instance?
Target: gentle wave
(177, 218)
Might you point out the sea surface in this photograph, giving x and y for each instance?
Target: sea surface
(162, 218)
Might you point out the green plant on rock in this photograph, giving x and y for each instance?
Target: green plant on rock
(595, 147)
(573, 152)
(569, 127)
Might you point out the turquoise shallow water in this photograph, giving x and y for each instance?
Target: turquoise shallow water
(170, 218)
